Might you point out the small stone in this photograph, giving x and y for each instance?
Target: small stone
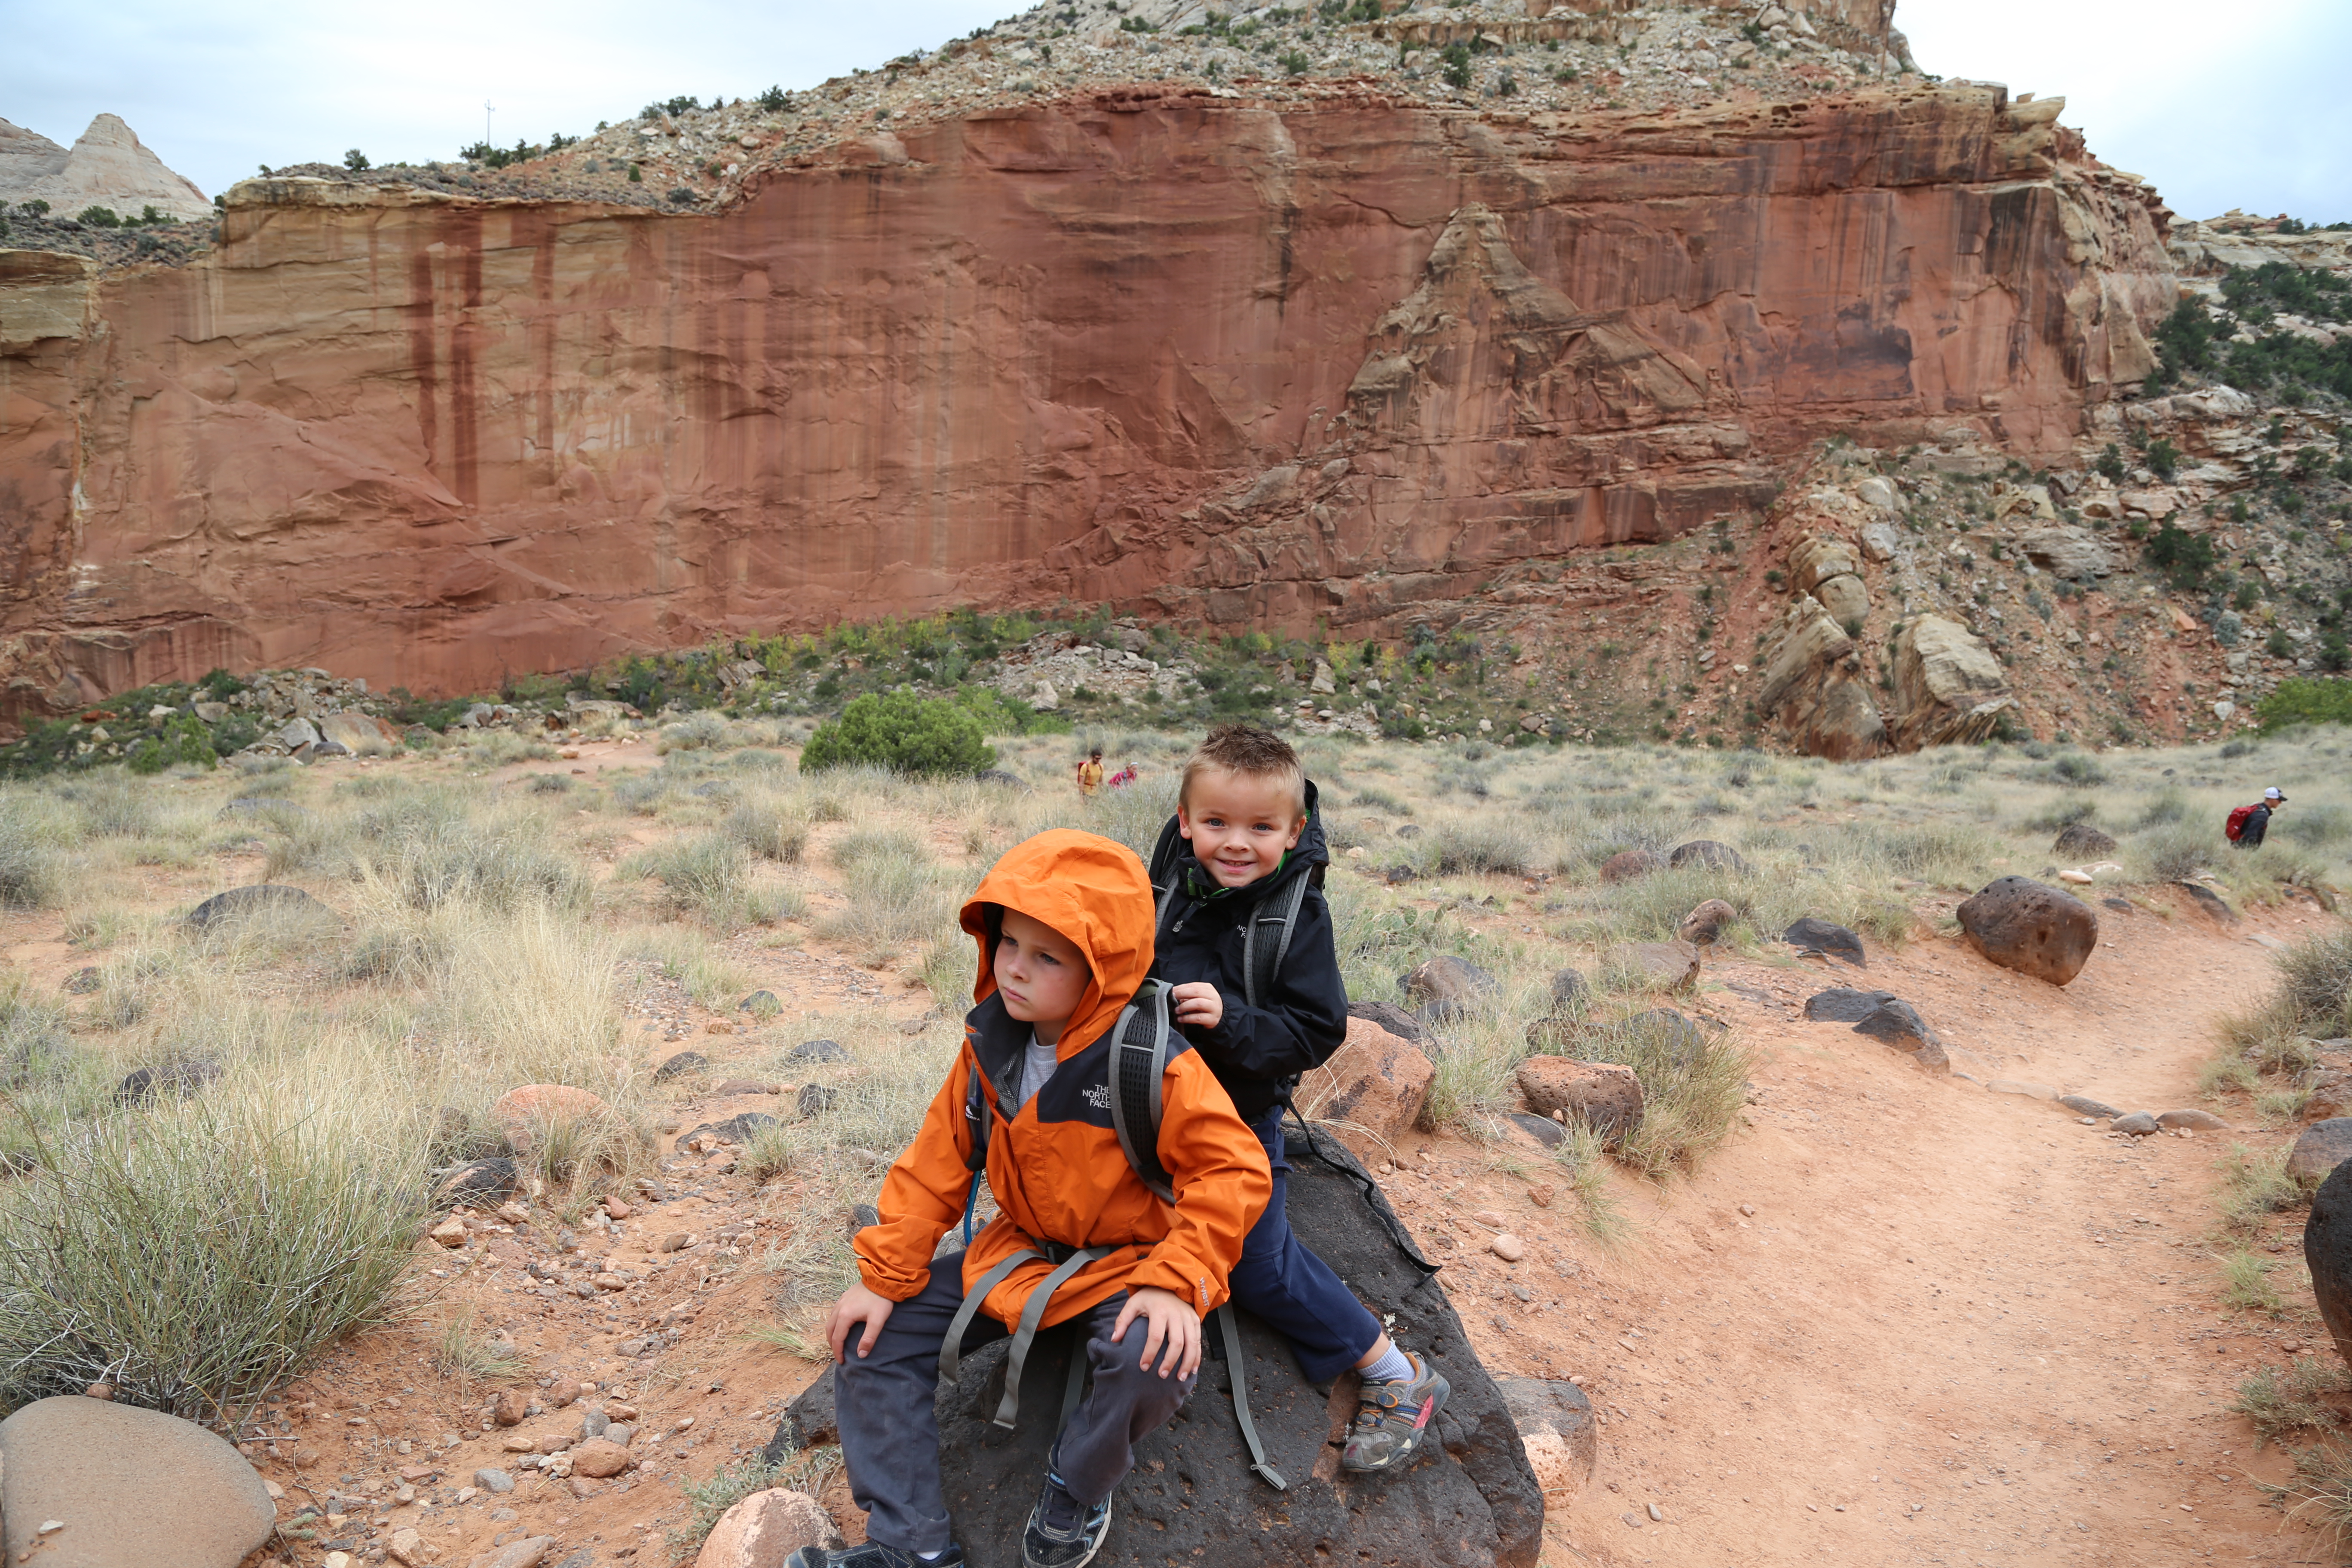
(1630, 865)
(407, 1548)
(616, 1209)
(1819, 936)
(561, 1392)
(1840, 1005)
(509, 1408)
(2084, 1105)
(769, 1527)
(2140, 1124)
(1705, 924)
(679, 1066)
(1657, 1514)
(1748, 1210)
(677, 1241)
(599, 1458)
(2322, 1146)
(449, 1233)
(2080, 879)
(99, 1391)
(2193, 1121)
(494, 1480)
(815, 1099)
(761, 1002)
(817, 1051)
(1507, 1248)
(1542, 1197)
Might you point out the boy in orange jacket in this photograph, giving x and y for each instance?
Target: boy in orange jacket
(1064, 927)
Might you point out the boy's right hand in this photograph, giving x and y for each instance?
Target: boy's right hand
(1197, 1003)
(857, 1305)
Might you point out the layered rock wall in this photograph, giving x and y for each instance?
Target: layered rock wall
(1212, 360)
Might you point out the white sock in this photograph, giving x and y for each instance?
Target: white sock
(931, 1556)
(1390, 1368)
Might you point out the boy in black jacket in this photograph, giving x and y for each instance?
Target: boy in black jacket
(1245, 851)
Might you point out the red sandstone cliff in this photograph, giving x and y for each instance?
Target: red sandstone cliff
(1223, 362)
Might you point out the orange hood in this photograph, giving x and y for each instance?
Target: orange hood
(1095, 892)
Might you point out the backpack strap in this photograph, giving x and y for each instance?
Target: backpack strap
(1165, 877)
(1240, 1382)
(1139, 1056)
(1267, 940)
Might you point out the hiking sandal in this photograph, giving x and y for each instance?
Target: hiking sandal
(1392, 1418)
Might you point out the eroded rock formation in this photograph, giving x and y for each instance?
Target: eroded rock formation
(1187, 354)
(107, 166)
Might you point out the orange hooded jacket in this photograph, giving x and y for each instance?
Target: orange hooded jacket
(1055, 1167)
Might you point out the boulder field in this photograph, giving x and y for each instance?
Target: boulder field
(1187, 354)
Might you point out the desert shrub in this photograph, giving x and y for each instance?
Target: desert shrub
(695, 733)
(185, 742)
(892, 898)
(434, 849)
(2314, 988)
(461, 1350)
(30, 877)
(706, 875)
(767, 831)
(2254, 1185)
(2318, 825)
(2172, 853)
(2305, 701)
(903, 732)
(2294, 1400)
(1691, 1096)
(1500, 844)
(198, 1254)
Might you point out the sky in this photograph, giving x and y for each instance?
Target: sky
(2219, 108)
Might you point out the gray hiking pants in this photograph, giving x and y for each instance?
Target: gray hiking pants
(890, 1430)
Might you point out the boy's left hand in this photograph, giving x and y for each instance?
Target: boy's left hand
(1198, 1003)
(1173, 1324)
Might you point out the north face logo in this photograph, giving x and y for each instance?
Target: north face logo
(1098, 1095)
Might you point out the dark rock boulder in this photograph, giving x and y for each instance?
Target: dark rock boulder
(1469, 1501)
(1706, 852)
(474, 1182)
(680, 1065)
(178, 1080)
(2327, 1249)
(999, 776)
(84, 981)
(1543, 1129)
(1840, 1005)
(263, 898)
(1445, 987)
(1898, 1023)
(2322, 1146)
(816, 1099)
(2031, 926)
(760, 1001)
(2211, 903)
(2084, 1105)
(1812, 935)
(1394, 1019)
(2140, 1124)
(734, 1129)
(2081, 839)
(1704, 926)
(817, 1051)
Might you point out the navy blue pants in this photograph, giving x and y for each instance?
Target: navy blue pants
(1293, 1292)
(889, 1424)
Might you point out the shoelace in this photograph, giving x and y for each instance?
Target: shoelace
(1062, 1513)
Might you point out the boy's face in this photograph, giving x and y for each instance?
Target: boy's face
(1240, 827)
(1040, 974)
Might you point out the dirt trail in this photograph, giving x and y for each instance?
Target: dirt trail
(1959, 1327)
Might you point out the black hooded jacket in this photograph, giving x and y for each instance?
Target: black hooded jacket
(1257, 1053)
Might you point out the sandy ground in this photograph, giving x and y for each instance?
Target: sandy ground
(1898, 1319)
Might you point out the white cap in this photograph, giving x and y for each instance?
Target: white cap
(2273, 793)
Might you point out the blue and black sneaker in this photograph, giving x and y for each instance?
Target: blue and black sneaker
(872, 1554)
(1062, 1532)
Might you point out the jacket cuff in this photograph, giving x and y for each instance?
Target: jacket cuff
(1181, 1275)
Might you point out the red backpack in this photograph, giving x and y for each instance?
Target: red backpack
(2236, 828)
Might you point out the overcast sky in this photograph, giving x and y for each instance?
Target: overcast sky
(2221, 108)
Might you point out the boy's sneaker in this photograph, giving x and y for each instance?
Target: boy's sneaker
(1392, 1418)
(1063, 1533)
(872, 1554)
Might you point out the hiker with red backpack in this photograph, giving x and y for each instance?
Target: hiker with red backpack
(2249, 823)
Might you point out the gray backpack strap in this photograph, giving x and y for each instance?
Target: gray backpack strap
(951, 1349)
(1235, 1376)
(1267, 942)
(1033, 1312)
(1139, 1057)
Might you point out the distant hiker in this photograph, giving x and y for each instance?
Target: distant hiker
(1090, 773)
(1124, 776)
(2249, 823)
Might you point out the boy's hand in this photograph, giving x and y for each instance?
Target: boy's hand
(1172, 1321)
(1197, 1003)
(858, 1305)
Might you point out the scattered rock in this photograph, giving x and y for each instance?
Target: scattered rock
(2077, 879)
(1705, 924)
(509, 1408)
(599, 1458)
(140, 1489)
(2326, 1249)
(1555, 1423)
(528, 1552)
(734, 1129)
(1371, 1090)
(762, 1001)
(1812, 935)
(476, 1180)
(1949, 689)
(999, 776)
(84, 981)
(1706, 852)
(1542, 1129)
(498, 1481)
(766, 1527)
(817, 1051)
(1394, 1019)
(2078, 840)
(179, 1081)
(2207, 899)
(2195, 1121)
(2140, 1124)
(1628, 865)
(1662, 965)
(265, 898)
(1445, 987)
(680, 1065)
(816, 1099)
(2033, 929)
(521, 1113)
(1603, 1096)
(1507, 1248)
(1840, 1006)
(1567, 989)
(1469, 1501)
(2084, 1105)
(2322, 1146)
(1898, 1023)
